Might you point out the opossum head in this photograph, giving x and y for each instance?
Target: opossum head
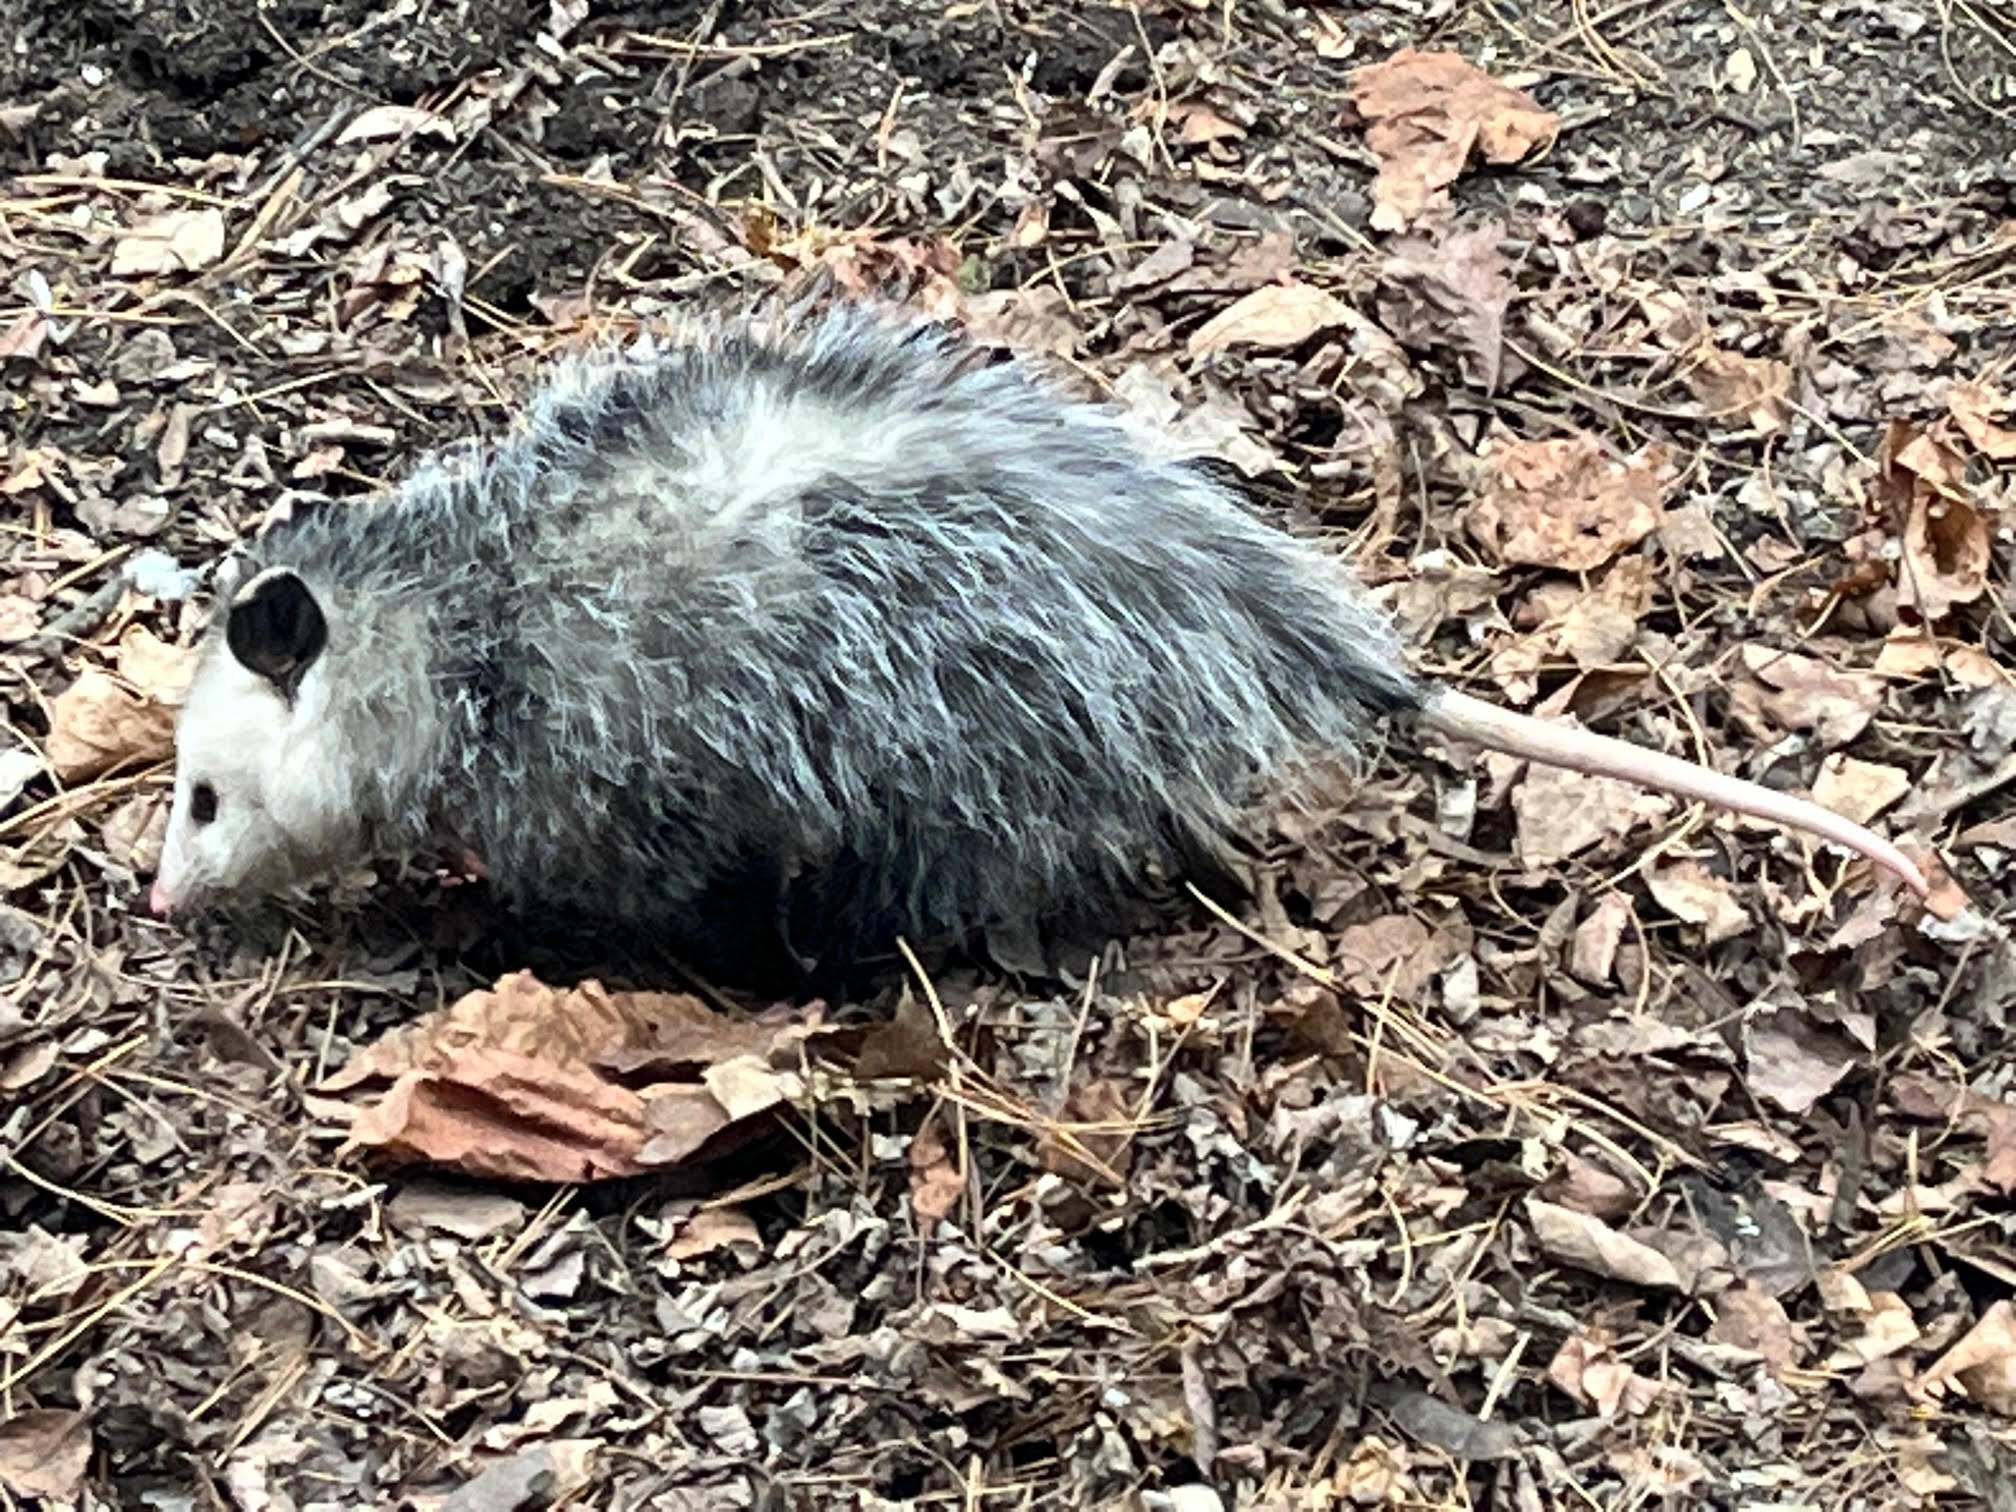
(263, 799)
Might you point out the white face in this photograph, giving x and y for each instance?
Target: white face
(262, 800)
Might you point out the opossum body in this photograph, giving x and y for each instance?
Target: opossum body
(792, 638)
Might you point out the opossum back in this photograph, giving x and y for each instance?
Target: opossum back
(932, 644)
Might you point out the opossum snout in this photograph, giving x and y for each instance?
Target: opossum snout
(159, 904)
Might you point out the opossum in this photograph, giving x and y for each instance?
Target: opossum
(795, 635)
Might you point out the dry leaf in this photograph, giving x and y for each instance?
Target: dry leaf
(1751, 1318)
(1787, 692)
(1273, 317)
(1424, 114)
(1887, 1327)
(1565, 504)
(712, 1229)
(1587, 1369)
(1693, 894)
(1397, 953)
(1975, 408)
(1562, 813)
(1451, 292)
(1592, 957)
(529, 1082)
(1793, 1063)
(1923, 481)
(44, 1453)
(1588, 1243)
(936, 1184)
(98, 723)
(1983, 1361)
(1859, 789)
(1731, 386)
(178, 241)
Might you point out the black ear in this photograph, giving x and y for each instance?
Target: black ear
(276, 628)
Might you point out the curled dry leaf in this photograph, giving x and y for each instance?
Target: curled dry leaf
(1693, 894)
(1733, 387)
(1273, 317)
(1398, 953)
(1590, 1244)
(1587, 1369)
(1425, 113)
(178, 241)
(529, 1082)
(1565, 504)
(1886, 1327)
(1983, 1362)
(1976, 408)
(1749, 1317)
(1946, 546)
(1786, 692)
(98, 723)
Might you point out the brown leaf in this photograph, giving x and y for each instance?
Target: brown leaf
(1787, 692)
(1586, 1242)
(1587, 1369)
(1273, 317)
(1451, 292)
(1983, 1361)
(1859, 789)
(1565, 504)
(98, 723)
(1397, 953)
(529, 1082)
(1732, 386)
(1562, 813)
(1793, 1063)
(1424, 114)
(177, 241)
(1593, 955)
(1945, 538)
(1751, 1318)
(1691, 893)
(936, 1184)
(44, 1453)
(1975, 408)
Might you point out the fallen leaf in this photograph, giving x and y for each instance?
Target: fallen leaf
(1565, 504)
(1587, 1369)
(1693, 894)
(177, 241)
(44, 1452)
(1588, 1243)
(936, 1184)
(1788, 693)
(1983, 1361)
(98, 723)
(1794, 1063)
(1751, 1318)
(1730, 386)
(530, 1082)
(1975, 408)
(1859, 789)
(1886, 1327)
(712, 1229)
(1592, 956)
(1562, 813)
(1397, 954)
(1450, 292)
(1273, 317)
(1425, 113)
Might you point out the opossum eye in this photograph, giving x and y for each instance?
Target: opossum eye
(203, 803)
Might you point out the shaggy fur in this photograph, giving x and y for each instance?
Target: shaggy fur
(782, 641)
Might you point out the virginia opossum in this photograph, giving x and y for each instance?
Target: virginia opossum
(795, 636)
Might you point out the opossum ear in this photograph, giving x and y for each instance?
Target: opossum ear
(276, 628)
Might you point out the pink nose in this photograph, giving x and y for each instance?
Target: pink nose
(159, 903)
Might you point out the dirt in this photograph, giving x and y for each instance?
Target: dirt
(1408, 1204)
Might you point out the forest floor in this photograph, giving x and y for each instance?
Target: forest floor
(1527, 1142)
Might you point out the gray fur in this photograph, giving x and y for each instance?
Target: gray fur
(978, 660)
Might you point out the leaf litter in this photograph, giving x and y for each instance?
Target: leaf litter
(1525, 1139)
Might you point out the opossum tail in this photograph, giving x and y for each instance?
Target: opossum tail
(1578, 750)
